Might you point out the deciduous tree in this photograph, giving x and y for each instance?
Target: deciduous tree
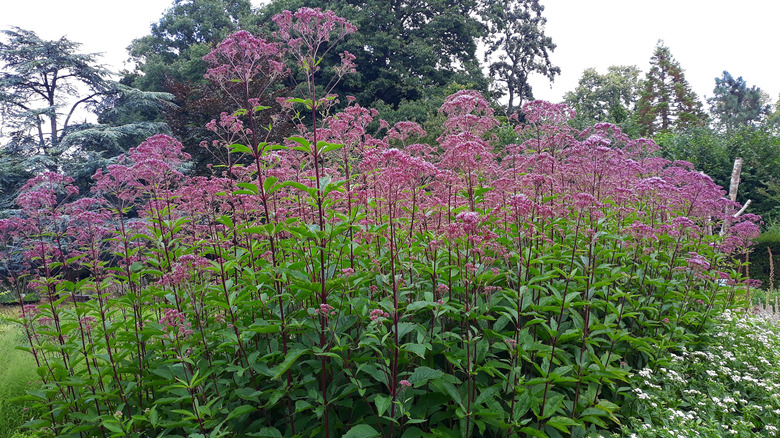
(609, 97)
(515, 36)
(404, 50)
(177, 43)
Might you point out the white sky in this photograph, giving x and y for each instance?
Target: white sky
(705, 36)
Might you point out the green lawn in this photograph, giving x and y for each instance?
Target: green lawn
(17, 374)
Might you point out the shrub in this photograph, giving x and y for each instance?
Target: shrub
(341, 285)
(729, 388)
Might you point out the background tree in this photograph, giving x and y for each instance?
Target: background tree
(609, 97)
(773, 118)
(733, 104)
(404, 51)
(45, 86)
(176, 45)
(42, 86)
(667, 101)
(713, 152)
(515, 35)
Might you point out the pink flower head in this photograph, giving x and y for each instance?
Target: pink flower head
(541, 112)
(87, 323)
(467, 111)
(405, 384)
(378, 313)
(242, 57)
(307, 31)
(325, 310)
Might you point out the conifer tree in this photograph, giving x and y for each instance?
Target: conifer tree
(734, 105)
(667, 102)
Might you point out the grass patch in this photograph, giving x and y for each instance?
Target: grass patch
(17, 376)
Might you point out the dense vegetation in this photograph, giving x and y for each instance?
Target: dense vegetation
(319, 271)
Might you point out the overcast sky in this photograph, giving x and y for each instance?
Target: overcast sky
(705, 36)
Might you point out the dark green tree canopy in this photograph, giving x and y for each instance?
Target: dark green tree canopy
(667, 102)
(733, 104)
(609, 97)
(177, 43)
(515, 35)
(403, 49)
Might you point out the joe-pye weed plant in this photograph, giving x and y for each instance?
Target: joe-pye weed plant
(350, 284)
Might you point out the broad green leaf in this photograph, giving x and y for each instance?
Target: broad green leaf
(361, 431)
(422, 375)
(382, 403)
(289, 360)
(241, 410)
(241, 148)
(562, 423)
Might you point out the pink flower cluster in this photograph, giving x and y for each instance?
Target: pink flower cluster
(378, 313)
(325, 310)
(175, 322)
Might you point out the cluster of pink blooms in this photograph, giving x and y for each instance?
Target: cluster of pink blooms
(87, 323)
(378, 313)
(325, 310)
(175, 322)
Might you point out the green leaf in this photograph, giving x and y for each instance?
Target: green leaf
(248, 186)
(562, 423)
(241, 410)
(418, 349)
(269, 183)
(327, 147)
(241, 148)
(553, 403)
(534, 432)
(382, 403)
(361, 431)
(289, 360)
(422, 375)
(270, 432)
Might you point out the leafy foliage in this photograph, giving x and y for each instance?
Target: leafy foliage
(44, 86)
(610, 97)
(728, 388)
(38, 83)
(178, 41)
(713, 152)
(337, 285)
(404, 51)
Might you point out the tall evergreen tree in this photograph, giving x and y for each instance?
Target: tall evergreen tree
(667, 102)
(515, 35)
(733, 104)
(43, 85)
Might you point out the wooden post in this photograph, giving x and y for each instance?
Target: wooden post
(733, 188)
(735, 174)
